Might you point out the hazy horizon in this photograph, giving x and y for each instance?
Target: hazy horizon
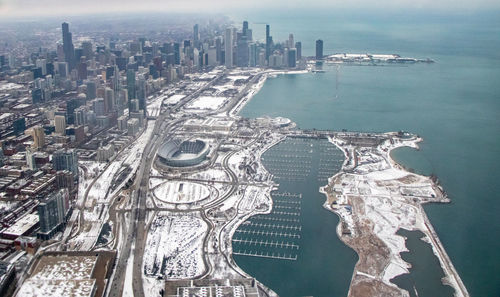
(13, 9)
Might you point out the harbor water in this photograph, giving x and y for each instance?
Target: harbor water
(295, 250)
(453, 104)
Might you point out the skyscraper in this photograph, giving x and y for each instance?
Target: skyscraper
(60, 123)
(131, 83)
(291, 43)
(298, 46)
(87, 49)
(52, 213)
(98, 106)
(68, 48)
(292, 55)
(30, 159)
(218, 49)
(245, 28)
(109, 99)
(91, 90)
(268, 42)
(177, 54)
(66, 160)
(71, 105)
(242, 53)
(253, 55)
(62, 68)
(228, 43)
(82, 69)
(141, 93)
(319, 49)
(38, 137)
(196, 36)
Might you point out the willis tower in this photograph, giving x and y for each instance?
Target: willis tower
(68, 48)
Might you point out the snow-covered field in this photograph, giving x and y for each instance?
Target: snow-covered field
(207, 102)
(391, 199)
(211, 174)
(174, 246)
(181, 192)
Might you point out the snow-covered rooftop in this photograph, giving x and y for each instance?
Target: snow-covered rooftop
(57, 288)
(206, 102)
(22, 225)
(60, 275)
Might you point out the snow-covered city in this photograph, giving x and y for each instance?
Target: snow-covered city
(153, 200)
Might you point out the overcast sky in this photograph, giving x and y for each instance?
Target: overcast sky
(16, 8)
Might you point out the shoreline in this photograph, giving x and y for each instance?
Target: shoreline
(451, 276)
(396, 265)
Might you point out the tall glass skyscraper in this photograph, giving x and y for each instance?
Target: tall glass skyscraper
(68, 48)
(228, 43)
(319, 49)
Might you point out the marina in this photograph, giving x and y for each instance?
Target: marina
(288, 239)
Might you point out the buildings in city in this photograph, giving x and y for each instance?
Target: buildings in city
(319, 49)
(52, 213)
(86, 97)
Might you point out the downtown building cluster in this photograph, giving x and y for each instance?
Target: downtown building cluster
(86, 101)
(240, 50)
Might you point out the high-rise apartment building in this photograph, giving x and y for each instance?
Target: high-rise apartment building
(228, 43)
(196, 36)
(52, 212)
(60, 124)
(268, 42)
(298, 47)
(38, 135)
(319, 49)
(292, 58)
(109, 100)
(131, 84)
(66, 160)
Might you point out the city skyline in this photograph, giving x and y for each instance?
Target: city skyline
(266, 154)
(30, 8)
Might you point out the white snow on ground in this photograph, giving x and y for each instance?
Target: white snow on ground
(388, 216)
(154, 107)
(253, 197)
(174, 246)
(181, 192)
(88, 237)
(391, 198)
(128, 290)
(99, 189)
(92, 170)
(98, 199)
(131, 156)
(211, 174)
(152, 286)
(236, 77)
(174, 99)
(153, 182)
(253, 90)
(206, 102)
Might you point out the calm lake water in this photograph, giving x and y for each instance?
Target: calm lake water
(454, 104)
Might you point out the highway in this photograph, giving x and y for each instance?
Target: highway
(136, 229)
